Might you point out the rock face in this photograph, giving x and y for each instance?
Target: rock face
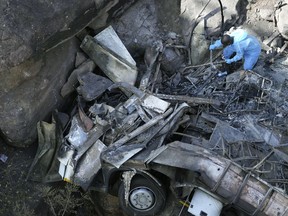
(25, 25)
(31, 76)
(36, 97)
(282, 16)
(146, 22)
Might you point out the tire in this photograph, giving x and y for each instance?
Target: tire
(229, 212)
(146, 197)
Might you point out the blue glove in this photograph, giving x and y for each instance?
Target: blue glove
(228, 61)
(212, 47)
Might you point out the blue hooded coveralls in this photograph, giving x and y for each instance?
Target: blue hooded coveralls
(246, 47)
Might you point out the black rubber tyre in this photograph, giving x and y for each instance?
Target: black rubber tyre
(229, 212)
(146, 197)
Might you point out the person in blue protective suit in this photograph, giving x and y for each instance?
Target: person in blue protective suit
(237, 46)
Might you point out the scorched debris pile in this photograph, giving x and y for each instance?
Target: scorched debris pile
(230, 132)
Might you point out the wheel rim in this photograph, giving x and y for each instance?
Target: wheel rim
(142, 198)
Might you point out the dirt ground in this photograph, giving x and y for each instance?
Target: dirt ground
(19, 196)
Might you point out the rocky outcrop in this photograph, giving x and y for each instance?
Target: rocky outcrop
(146, 22)
(35, 98)
(37, 53)
(27, 25)
(282, 17)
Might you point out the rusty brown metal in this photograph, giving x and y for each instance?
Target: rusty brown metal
(87, 122)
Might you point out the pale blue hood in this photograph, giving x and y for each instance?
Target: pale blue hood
(239, 35)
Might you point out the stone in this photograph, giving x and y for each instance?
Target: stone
(266, 14)
(171, 61)
(27, 25)
(143, 24)
(281, 17)
(71, 84)
(80, 58)
(35, 98)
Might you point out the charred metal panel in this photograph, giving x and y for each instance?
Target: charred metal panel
(225, 178)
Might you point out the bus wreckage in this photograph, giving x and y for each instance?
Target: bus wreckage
(222, 141)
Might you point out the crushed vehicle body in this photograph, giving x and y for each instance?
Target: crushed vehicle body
(221, 140)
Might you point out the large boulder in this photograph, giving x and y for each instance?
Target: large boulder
(37, 53)
(146, 22)
(282, 17)
(26, 25)
(35, 98)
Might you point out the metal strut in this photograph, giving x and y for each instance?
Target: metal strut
(241, 188)
(221, 177)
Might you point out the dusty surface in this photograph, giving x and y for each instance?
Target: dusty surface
(16, 195)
